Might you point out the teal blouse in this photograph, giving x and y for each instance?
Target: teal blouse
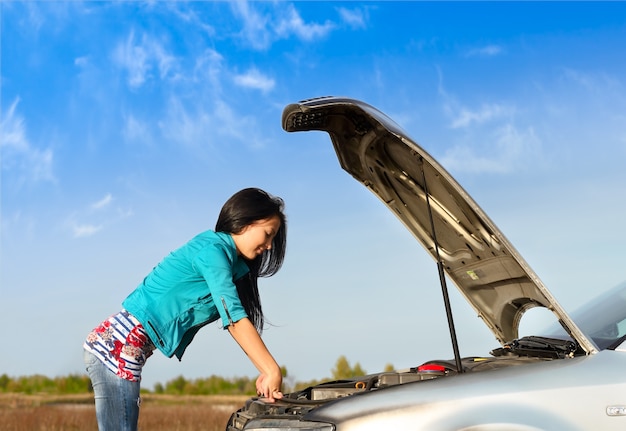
(192, 287)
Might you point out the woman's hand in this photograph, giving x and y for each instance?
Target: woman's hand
(269, 387)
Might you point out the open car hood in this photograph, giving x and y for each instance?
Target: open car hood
(474, 254)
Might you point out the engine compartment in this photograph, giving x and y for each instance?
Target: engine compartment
(296, 404)
(430, 370)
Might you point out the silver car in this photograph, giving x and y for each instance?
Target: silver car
(569, 377)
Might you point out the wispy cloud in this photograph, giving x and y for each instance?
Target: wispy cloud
(95, 217)
(292, 23)
(465, 117)
(85, 230)
(140, 59)
(485, 51)
(35, 16)
(254, 79)
(20, 159)
(102, 203)
(202, 128)
(208, 67)
(190, 129)
(502, 150)
(596, 83)
(186, 13)
(490, 140)
(462, 116)
(256, 30)
(261, 29)
(355, 18)
(136, 131)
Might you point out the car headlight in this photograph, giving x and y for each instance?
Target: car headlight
(287, 425)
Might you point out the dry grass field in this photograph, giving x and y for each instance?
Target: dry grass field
(158, 413)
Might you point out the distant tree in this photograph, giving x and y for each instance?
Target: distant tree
(39, 384)
(343, 370)
(212, 385)
(389, 368)
(4, 382)
(176, 386)
(73, 384)
(357, 370)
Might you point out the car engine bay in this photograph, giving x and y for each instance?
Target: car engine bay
(523, 351)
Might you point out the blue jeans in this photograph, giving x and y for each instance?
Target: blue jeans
(117, 399)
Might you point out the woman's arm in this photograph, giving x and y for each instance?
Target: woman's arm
(271, 379)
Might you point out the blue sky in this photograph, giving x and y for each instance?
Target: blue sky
(126, 125)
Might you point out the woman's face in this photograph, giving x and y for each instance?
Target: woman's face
(257, 237)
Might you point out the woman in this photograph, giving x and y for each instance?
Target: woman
(213, 276)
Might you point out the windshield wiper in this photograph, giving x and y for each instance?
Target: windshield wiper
(614, 345)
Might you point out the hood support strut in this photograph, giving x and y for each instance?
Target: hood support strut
(442, 277)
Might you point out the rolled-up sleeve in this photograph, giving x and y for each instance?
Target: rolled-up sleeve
(218, 268)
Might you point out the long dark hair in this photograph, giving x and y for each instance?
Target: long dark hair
(244, 208)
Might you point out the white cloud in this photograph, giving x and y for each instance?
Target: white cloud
(490, 140)
(235, 124)
(19, 157)
(260, 30)
(139, 59)
(96, 217)
(255, 79)
(355, 18)
(600, 83)
(208, 67)
(85, 230)
(463, 117)
(466, 117)
(505, 150)
(485, 51)
(102, 203)
(134, 59)
(255, 25)
(292, 23)
(81, 61)
(201, 129)
(184, 128)
(188, 15)
(136, 131)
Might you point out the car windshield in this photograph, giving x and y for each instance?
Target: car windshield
(603, 319)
